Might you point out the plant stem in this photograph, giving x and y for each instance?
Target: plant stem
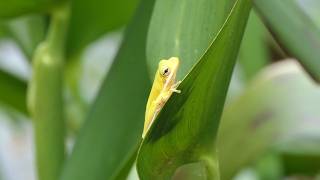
(212, 165)
(45, 98)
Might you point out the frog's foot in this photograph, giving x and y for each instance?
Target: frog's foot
(174, 87)
(175, 90)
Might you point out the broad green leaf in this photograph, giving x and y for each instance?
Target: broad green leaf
(311, 8)
(185, 130)
(13, 92)
(91, 19)
(3, 30)
(280, 105)
(28, 32)
(14, 8)
(185, 29)
(297, 33)
(112, 131)
(253, 55)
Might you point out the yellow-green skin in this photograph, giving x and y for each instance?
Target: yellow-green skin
(163, 86)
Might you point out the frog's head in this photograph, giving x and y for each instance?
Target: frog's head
(168, 68)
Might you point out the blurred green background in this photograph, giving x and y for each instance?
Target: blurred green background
(75, 77)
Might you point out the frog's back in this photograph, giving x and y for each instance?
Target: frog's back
(151, 106)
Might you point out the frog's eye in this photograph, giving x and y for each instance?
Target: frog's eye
(165, 71)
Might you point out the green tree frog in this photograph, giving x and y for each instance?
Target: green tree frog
(163, 86)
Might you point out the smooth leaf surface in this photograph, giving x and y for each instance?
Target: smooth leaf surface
(280, 105)
(14, 8)
(112, 131)
(297, 33)
(185, 29)
(91, 19)
(3, 30)
(185, 130)
(13, 92)
(311, 8)
(253, 55)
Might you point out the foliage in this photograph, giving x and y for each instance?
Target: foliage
(269, 125)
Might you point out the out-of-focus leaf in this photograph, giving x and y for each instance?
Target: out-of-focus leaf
(297, 33)
(3, 30)
(185, 130)
(300, 154)
(269, 167)
(112, 131)
(185, 29)
(1, 176)
(13, 92)
(253, 55)
(311, 8)
(91, 19)
(280, 104)
(28, 32)
(14, 8)
(306, 164)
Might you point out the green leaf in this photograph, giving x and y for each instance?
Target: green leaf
(311, 8)
(13, 92)
(185, 130)
(14, 8)
(184, 29)
(269, 166)
(3, 30)
(111, 133)
(91, 19)
(280, 105)
(297, 33)
(253, 55)
(28, 32)
(307, 164)
(300, 154)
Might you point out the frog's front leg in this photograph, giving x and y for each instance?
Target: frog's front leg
(163, 97)
(174, 87)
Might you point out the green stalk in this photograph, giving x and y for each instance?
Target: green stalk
(45, 98)
(210, 160)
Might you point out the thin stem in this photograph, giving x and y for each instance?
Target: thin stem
(58, 29)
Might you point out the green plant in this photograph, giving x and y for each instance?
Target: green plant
(195, 136)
